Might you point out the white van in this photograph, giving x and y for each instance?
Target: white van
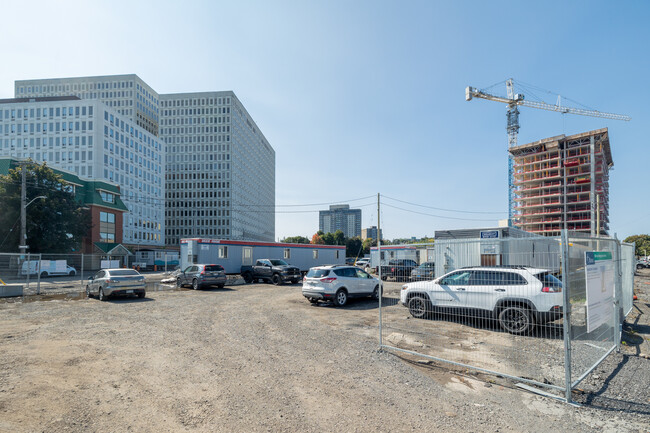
(47, 268)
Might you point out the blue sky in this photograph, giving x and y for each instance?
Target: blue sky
(367, 97)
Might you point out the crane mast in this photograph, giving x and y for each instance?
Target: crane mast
(513, 101)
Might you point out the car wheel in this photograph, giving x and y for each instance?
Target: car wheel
(313, 300)
(43, 274)
(419, 307)
(341, 298)
(276, 279)
(294, 281)
(179, 283)
(220, 286)
(141, 295)
(516, 319)
(384, 277)
(101, 296)
(248, 278)
(375, 293)
(195, 284)
(71, 273)
(88, 292)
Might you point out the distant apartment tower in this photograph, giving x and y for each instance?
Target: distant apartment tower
(93, 141)
(369, 233)
(220, 169)
(562, 182)
(126, 94)
(340, 217)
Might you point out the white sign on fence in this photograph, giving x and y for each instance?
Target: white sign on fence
(599, 275)
(110, 264)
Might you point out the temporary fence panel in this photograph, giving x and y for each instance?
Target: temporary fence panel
(628, 265)
(536, 309)
(20, 269)
(500, 318)
(593, 279)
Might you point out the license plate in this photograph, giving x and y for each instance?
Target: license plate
(129, 291)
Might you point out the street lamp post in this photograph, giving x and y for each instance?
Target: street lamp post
(23, 220)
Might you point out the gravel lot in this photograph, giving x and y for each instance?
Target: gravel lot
(261, 358)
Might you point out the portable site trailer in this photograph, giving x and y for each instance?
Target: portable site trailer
(419, 252)
(157, 257)
(232, 255)
(502, 246)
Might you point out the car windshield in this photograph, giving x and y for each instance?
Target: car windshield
(318, 273)
(123, 273)
(278, 262)
(213, 268)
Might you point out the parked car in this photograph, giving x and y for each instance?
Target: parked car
(640, 264)
(47, 268)
(199, 276)
(400, 269)
(363, 264)
(426, 271)
(275, 271)
(517, 297)
(338, 283)
(349, 261)
(115, 282)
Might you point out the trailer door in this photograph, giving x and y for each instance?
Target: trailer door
(247, 256)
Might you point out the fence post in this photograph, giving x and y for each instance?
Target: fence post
(82, 271)
(566, 309)
(28, 270)
(38, 276)
(165, 262)
(618, 290)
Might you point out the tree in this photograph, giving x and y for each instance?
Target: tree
(317, 240)
(296, 240)
(55, 224)
(642, 244)
(353, 247)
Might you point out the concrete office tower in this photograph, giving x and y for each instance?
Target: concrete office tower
(220, 169)
(563, 183)
(126, 94)
(94, 141)
(340, 217)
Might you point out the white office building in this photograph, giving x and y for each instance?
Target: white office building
(126, 94)
(92, 140)
(220, 169)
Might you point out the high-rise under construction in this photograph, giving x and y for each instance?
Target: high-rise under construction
(562, 182)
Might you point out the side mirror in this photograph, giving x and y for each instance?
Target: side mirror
(90, 278)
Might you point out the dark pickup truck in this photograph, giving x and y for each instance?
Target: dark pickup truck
(275, 271)
(398, 269)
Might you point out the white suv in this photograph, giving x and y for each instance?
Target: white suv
(338, 283)
(518, 297)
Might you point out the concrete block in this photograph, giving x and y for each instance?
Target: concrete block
(11, 290)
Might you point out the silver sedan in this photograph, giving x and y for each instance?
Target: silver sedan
(114, 282)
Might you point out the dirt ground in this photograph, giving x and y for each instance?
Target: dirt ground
(261, 358)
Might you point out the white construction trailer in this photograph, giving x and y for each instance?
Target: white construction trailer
(420, 253)
(232, 255)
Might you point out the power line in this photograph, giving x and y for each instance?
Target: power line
(446, 210)
(435, 216)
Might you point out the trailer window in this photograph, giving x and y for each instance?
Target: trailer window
(287, 253)
(315, 254)
(223, 252)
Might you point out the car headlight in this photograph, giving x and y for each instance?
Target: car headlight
(405, 286)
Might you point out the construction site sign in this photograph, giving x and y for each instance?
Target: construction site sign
(599, 276)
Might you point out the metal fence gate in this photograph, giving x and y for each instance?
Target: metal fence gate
(534, 314)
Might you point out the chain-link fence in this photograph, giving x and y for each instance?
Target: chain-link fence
(541, 310)
(30, 274)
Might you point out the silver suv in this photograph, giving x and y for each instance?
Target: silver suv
(338, 283)
(518, 297)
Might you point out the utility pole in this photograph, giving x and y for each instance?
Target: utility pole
(22, 244)
(381, 286)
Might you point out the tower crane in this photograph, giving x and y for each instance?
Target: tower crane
(514, 100)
